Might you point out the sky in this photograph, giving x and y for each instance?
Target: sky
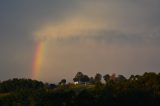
(104, 36)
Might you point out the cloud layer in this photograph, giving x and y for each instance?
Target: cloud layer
(75, 26)
(107, 21)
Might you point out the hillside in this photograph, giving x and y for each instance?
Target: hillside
(135, 91)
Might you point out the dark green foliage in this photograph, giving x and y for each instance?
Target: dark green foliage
(62, 82)
(106, 77)
(85, 98)
(117, 91)
(80, 77)
(98, 77)
(20, 84)
(52, 86)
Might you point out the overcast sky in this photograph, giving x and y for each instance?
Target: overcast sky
(105, 36)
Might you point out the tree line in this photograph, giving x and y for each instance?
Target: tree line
(137, 90)
(80, 77)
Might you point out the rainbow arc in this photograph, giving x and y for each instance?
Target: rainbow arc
(38, 59)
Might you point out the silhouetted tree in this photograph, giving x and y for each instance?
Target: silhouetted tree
(63, 82)
(106, 77)
(85, 78)
(138, 90)
(78, 77)
(132, 78)
(98, 77)
(52, 86)
(121, 78)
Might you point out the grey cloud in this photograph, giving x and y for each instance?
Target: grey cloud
(114, 37)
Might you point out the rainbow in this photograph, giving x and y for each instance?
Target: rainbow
(38, 59)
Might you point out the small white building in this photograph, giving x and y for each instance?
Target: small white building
(76, 82)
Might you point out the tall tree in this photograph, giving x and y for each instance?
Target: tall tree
(106, 77)
(132, 78)
(78, 77)
(121, 78)
(63, 82)
(85, 78)
(98, 77)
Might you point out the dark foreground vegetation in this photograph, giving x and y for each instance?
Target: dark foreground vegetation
(137, 90)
